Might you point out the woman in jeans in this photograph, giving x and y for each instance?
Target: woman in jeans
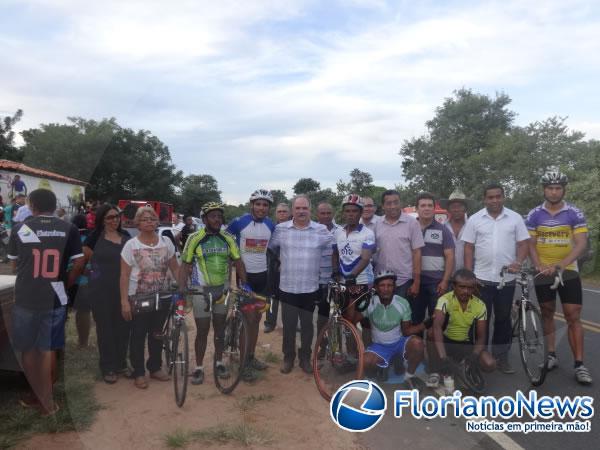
(145, 260)
(102, 249)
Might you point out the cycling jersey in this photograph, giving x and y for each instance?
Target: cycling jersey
(349, 248)
(385, 320)
(211, 254)
(459, 321)
(554, 233)
(252, 237)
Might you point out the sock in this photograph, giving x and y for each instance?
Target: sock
(250, 356)
(200, 368)
(408, 375)
(552, 354)
(220, 363)
(578, 364)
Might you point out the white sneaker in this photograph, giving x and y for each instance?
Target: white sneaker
(583, 375)
(433, 380)
(552, 362)
(448, 384)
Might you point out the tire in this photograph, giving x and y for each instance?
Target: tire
(234, 353)
(343, 358)
(167, 344)
(531, 343)
(470, 377)
(180, 348)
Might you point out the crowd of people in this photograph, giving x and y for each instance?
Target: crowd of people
(433, 279)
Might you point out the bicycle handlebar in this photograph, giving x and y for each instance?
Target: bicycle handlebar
(558, 278)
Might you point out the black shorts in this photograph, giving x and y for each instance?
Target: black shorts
(570, 293)
(258, 282)
(457, 350)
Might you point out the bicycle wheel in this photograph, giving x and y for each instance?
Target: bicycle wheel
(343, 356)
(531, 343)
(180, 365)
(167, 343)
(470, 376)
(234, 356)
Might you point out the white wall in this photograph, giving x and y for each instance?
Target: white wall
(67, 195)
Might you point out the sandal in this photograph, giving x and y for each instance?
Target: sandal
(110, 378)
(141, 383)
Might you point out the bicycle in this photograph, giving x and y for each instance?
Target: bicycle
(234, 355)
(528, 326)
(343, 348)
(468, 374)
(174, 337)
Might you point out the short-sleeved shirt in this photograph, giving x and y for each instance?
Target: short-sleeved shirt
(459, 321)
(395, 244)
(554, 233)
(43, 248)
(149, 265)
(210, 254)
(459, 247)
(252, 237)
(300, 251)
(326, 265)
(372, 222)
(437, 239)
(495, 241)
(385, 320)
(349, 248)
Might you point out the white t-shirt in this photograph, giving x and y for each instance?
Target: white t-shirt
(349, 248)
(495, 242)
(149, 265)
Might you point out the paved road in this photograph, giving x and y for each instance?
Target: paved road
(450, 433)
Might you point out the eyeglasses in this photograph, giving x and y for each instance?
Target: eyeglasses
(112, 217)
(148, 219)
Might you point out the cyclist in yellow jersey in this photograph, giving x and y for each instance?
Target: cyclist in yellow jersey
(459, 329)
(559, 235)
(205, 267)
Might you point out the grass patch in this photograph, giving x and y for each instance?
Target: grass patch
(73, 393)
(177, 439)
(272, 358)
(250, 401)
(591, 278)
(243, 434)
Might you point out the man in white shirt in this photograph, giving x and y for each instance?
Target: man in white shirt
(300, 243)
(495, 237)
(368, 217)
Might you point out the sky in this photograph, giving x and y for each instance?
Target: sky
(262, 93)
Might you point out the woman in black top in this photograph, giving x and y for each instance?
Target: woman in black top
(103, 249)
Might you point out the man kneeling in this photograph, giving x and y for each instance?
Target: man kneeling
(392, 331)
(459, 329)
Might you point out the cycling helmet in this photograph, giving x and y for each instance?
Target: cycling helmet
(261, 194)
(554, 177)
(384, 274)
(353, 199)
(212, 206)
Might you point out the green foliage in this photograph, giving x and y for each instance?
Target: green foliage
(279, 196)
(306, 186)
(196, 190)
(119, 163)
(231, 212)
(7, 137)
(360, 183)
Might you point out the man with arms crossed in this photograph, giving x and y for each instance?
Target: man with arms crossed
(495, 237)
(558, 237)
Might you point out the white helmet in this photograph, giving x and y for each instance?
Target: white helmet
(261, 194)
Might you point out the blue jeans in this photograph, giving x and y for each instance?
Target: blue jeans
(500, 301)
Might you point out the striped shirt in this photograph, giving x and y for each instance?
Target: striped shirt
(300, 251)
(437, 239)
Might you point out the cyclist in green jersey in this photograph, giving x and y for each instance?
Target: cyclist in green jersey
(205, 268)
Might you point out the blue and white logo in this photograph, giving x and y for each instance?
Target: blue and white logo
(358, 406)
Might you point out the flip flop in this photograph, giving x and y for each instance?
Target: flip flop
(51, 413)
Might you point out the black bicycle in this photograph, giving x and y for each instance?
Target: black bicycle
(528, 327)
(235, 356)
(174, 337)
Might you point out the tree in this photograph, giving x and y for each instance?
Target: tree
(449, 155)
(279, 196)
(8, 150)
(360, 182)
(196, 190)
(306, 185)
(118, 163)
